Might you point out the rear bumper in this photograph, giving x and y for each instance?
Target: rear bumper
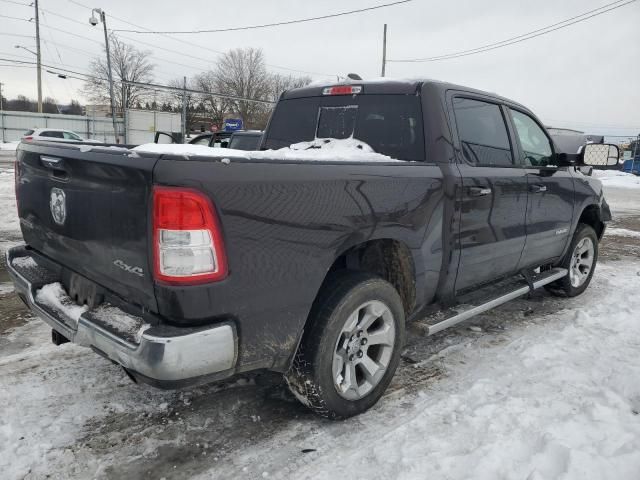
(166, 357)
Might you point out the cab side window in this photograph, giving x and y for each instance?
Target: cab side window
(483, 133)
(535, 144)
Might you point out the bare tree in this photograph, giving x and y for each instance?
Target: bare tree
(214, 105)
(128, 64)
(282, 83)
(242, 73)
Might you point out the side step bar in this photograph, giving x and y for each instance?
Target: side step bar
(466, 311)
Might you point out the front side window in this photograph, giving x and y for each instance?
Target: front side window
(483, 133)
(71, 136)
(534, 142)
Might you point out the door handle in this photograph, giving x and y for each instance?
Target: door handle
(537, 188)
(53, 163)
(479, 191)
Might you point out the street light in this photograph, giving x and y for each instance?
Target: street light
(25, 48)
(94, 20)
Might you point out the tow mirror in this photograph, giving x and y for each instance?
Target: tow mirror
(600, 155)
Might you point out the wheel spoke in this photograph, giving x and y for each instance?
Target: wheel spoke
(382, 336)
(371, 369)
(368, 318)
(350, 382)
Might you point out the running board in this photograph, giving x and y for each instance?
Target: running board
(466, 310)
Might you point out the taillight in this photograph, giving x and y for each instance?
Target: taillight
(27, 138)
(342, 90)
(187, 239)
(16, 175)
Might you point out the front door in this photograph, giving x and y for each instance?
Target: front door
(493, 193)
(551, 193)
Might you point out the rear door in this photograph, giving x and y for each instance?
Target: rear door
(551, 192)
(88, 211)
(493, 198)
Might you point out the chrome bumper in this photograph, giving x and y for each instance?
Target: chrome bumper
(161, 356)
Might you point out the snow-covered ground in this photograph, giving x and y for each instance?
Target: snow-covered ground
(541, 388)
(9, 146)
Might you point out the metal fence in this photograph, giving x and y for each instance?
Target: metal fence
(139, 126)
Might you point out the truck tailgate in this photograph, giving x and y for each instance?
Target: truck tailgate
(87, 209)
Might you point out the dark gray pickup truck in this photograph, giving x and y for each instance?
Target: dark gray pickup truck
(187, 268)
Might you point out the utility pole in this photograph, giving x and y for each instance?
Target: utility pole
(94, 21)
(184, 109)
(384, 50)
(39, 58)
(1, 112)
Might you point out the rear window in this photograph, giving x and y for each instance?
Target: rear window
(27, 133)
(245, 142)
(390, 124)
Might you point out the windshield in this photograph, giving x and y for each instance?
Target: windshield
(390, 124)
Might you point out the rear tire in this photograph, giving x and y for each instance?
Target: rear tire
(580, 261)
(351, 349)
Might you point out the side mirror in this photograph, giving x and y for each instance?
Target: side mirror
(600, 155)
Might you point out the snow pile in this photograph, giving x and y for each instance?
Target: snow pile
(9, 146)
(54, 296)
(121, 321)
(318, 150)
(8, 207)
(24, 262)
(616, 178)
(622, 232)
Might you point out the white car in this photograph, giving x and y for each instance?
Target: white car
(52, 135)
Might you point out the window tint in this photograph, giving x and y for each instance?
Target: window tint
(49, 133)
(390, 124)
(535, 144)
(483, 133)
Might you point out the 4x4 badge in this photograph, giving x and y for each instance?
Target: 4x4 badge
(58, 205)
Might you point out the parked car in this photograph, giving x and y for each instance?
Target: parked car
(186, 270)
(246, 140)
(52, 135)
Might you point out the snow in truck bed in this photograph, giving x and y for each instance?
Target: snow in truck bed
(318, 150)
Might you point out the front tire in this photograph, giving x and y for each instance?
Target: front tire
(580, 261)
(351, 350)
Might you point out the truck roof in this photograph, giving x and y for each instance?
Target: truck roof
(389, 86)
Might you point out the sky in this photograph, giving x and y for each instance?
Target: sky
(586, 76)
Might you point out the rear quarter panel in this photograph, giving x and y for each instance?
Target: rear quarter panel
(284, 224)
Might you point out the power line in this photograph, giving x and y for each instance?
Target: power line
(192, 45)
(71, 73)
(275, 24)
(523, 37)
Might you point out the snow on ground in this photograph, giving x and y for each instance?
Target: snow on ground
(319, 150)
(539, 389)
(622, 232)
(617, 179)
(8, 208)
(9, 146)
